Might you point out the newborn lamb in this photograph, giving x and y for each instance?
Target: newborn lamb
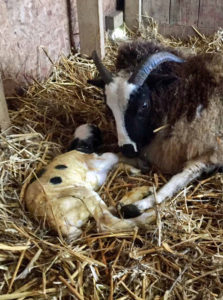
(64, 194)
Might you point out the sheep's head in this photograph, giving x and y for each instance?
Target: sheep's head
(129, 100)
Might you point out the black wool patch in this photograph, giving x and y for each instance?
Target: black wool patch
(60, 167)
(56, 180)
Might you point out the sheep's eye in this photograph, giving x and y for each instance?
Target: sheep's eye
(145, 105)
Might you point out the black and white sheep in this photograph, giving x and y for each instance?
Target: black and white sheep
(64, 193)
(157, 88)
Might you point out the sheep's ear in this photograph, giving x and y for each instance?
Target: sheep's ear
(158, 80)
(97, 82)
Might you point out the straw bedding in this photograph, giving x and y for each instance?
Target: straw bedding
(179, 257)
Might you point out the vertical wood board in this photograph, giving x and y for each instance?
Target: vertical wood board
(175, 12)
(4, 115)
(133, 12)
(158, 9)
(207, 13)
(219, 14)
(91, 26)
(184, 12)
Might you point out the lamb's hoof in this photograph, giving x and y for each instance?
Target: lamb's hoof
(129, 151)
(130, 211)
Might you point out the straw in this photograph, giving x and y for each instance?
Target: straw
(180, 257)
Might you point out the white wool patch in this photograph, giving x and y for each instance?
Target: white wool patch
(117, 96)
(83, 132)
(99, 167)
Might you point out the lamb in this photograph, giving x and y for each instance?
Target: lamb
(64, 193)
(168, 110)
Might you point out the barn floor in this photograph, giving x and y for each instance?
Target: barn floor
(179, 257)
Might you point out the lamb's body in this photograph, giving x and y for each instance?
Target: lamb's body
(186, 100)
(64, 194)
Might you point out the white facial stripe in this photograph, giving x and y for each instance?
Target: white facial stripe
(83, 132)
(117, 95)
(199, 110)
(123, 137)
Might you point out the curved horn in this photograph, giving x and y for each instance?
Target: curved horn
(106, 76)
(140, 75)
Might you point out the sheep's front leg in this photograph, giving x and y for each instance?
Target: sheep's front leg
(176, 183)
(135, 162)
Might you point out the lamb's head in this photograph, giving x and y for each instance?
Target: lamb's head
(87, 139)
(129, 99)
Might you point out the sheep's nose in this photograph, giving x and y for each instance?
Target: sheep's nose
(128, 150)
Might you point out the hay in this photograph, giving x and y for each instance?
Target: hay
(180, 257)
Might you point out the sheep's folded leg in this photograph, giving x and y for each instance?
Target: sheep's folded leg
(192, 171)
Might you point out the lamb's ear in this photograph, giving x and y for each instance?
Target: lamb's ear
(97, 82)
(157, 80)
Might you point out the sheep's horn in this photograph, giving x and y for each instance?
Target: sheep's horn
(140, 75)
(106, 76)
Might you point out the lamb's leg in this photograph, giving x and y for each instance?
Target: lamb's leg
(177, 182)
(100, 212)
(106, 222)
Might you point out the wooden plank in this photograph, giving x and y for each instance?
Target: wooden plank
(184, 12)
(207, 13)
(114, 20)
(191, 12)
(182, 31)
(158, 9)
(133, 13)
(219, 14)
(4, 115)
(109, 6)
(175, 12)
(91, 26)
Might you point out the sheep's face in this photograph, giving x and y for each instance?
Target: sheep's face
(137, 116)
(118, 93)
(130, 106)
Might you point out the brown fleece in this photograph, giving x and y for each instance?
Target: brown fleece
(198, 79)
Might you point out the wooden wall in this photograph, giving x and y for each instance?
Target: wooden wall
(177, 16)
(28, 25)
